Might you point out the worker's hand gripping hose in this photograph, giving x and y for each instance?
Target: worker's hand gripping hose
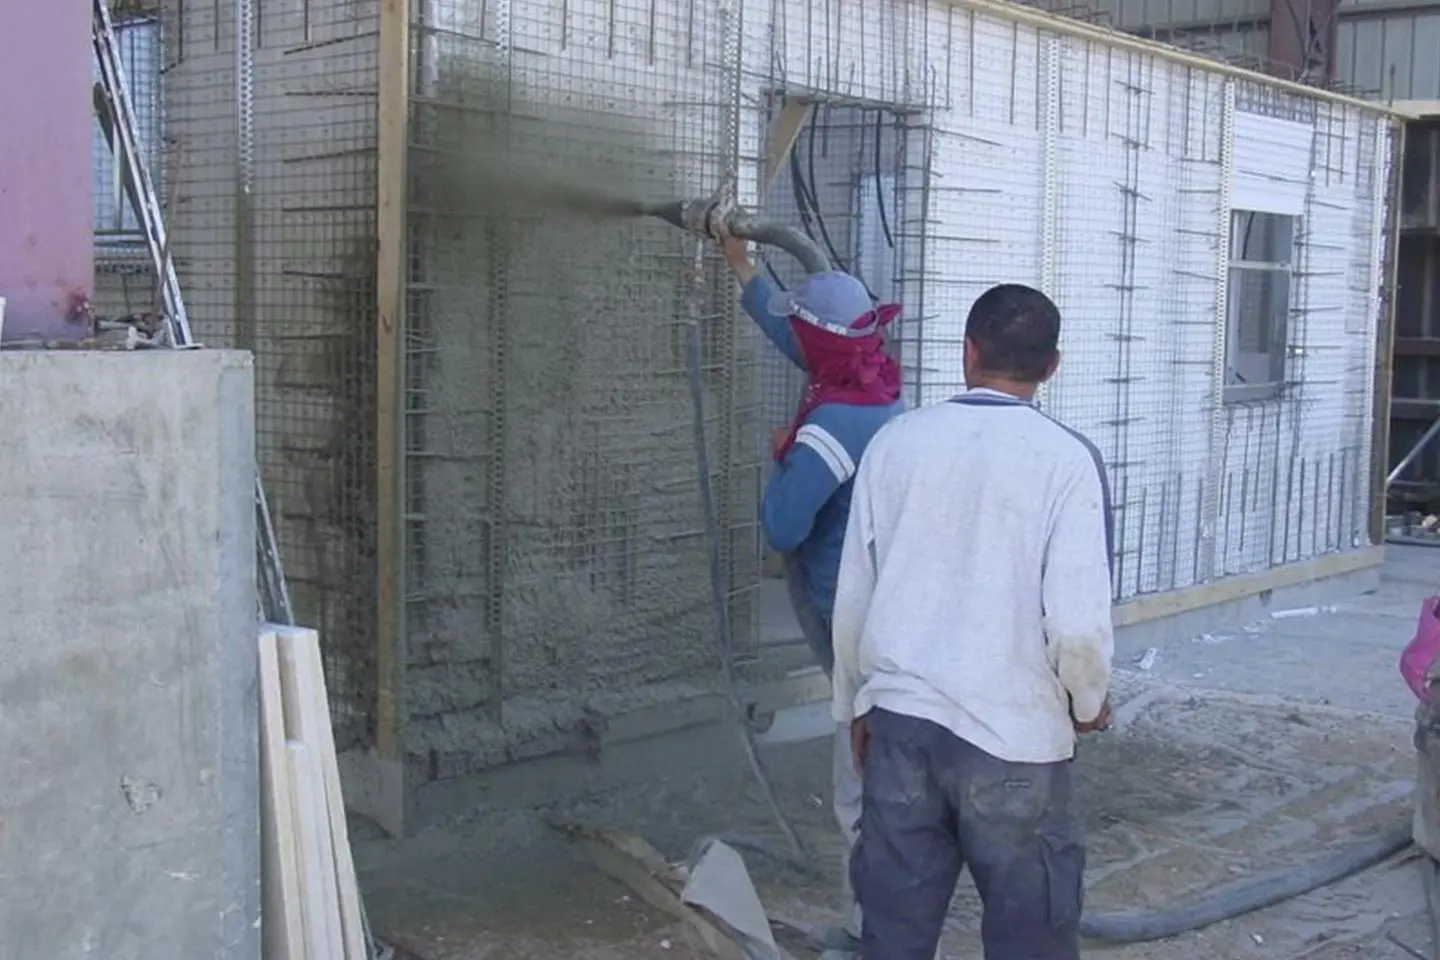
(1247, 896)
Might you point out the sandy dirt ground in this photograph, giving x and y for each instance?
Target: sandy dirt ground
(1235, 752)
(1195, 788)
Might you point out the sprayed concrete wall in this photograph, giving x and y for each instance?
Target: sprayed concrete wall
(129, 823)
(45, 242)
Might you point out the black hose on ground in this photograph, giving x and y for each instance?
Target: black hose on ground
(1247, 896)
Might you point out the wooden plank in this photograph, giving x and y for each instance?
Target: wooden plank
(283, 929)
(1229, 589)
(783, 134)
(1413, 408)
(393, 134)
(1417, 347)
(304, 679)
(318, 904)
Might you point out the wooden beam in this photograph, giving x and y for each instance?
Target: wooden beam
(393, 126)
(783, 133)
(1385, 349)
(1417, 346)
(1414, 408)
(1230, 589)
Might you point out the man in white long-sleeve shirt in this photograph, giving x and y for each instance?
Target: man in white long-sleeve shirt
(972, 642)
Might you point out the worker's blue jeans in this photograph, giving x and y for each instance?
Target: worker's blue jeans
(934, 803)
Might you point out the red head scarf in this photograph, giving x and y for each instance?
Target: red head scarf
(854, 370)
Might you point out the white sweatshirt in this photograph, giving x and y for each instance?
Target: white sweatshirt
(974, 586)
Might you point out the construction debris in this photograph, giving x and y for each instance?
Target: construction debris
(713, 894)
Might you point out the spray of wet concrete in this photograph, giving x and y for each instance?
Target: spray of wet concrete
(560, 569)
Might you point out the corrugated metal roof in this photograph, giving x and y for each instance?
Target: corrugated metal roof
(1391, 46)
(1388, 49)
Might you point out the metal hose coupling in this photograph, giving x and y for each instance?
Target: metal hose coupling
(704, 216)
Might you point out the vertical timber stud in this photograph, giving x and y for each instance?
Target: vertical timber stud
(1384, 368)
(1051, 63)
(1210, 509)
(393, 128)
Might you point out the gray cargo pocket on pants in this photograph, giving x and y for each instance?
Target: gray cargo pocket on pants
(1063, 851)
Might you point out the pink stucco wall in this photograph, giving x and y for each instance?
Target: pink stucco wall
(46, 119)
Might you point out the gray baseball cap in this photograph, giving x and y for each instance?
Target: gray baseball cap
(832, 301)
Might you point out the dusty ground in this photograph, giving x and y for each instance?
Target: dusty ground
(1198, 786)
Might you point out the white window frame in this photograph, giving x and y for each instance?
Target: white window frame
(1252, 375)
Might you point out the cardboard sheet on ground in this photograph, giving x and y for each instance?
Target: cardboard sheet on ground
(720, 885)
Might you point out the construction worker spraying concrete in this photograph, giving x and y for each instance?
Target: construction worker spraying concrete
(830, 328)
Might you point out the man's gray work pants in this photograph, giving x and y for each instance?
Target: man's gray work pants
(934, 803)
(845, 780)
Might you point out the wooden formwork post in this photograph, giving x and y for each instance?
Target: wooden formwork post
(1385, 345)
(393, 124)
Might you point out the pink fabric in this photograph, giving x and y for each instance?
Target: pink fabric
(1421, 652)
(854, 370)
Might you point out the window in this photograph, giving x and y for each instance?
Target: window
(1257, 316)
(117, 231)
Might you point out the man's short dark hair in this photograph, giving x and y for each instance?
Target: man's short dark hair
(1016, 330)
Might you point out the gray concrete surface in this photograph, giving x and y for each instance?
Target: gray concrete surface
(1257, 744)
(129, 825)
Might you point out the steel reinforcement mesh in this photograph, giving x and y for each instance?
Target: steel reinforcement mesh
(271, 211)
(556, 568)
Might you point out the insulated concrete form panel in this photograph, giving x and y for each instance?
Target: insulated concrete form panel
(129, 823)
(1133, 260)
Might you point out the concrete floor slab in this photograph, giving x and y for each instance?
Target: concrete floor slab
(1235, 753)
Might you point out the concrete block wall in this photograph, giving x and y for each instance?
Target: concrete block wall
(129, 824)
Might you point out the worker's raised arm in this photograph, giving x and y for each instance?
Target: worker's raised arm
(1076, 591)
(853, 589)
(756, 293)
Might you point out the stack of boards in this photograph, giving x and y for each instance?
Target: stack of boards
(310, 900)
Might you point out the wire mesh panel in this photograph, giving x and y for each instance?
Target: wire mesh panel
(308, 250)
(271, 213)
(556, 572)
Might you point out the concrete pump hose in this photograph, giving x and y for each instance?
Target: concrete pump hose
(1247, 896)
(786, 238)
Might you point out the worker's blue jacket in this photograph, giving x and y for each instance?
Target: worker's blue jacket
(807, 501)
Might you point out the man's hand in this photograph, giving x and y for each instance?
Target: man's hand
(860, 741)
(737, 253)
(1101, 722)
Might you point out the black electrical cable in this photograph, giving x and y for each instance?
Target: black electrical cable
(797, 190)
(815, 203)
(1247, 896)
(805, 194)
(774, 277)
(879, 184)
